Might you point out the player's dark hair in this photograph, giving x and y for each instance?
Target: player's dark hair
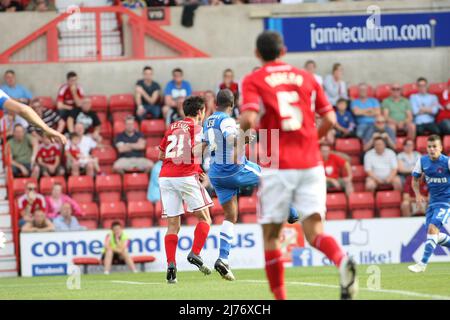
(433, 138)
(269, 45)
(192, 105)
(10, 71)
(177, 70)
(225, 99)
(422, 79)
(147, 68)
(115, 224)
(71, 74)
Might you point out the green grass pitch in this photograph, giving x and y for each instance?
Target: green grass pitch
(302, 283)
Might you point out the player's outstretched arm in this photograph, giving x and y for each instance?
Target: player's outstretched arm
(328, 122)
(32, 117)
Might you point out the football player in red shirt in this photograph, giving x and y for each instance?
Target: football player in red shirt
(179, 180)
(295, 174)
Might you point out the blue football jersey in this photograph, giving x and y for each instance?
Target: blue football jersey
(437, 177)
(3, 98)
(216, 129)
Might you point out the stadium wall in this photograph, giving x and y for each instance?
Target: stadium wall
(229, 32)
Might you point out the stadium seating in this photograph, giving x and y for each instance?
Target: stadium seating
(81, 188)
(388, 203)
(119, 127)
(90, 215)
(362, 205)
(382, 91)
(421, 144)
(399, 144)
(350, 146)
(152, 153)
(336, 206)
(154, 141)
(46, 184)
(99, 103)
(249, 218)
(446, 143)
(353, 91)
(140, 214)
(109, 187)
(20, 183)
(437, 88)
(247, 204)
(106, 130)
(120, 116)
(409, 89)
(47, 102)
(106, 155)
(135, 186)
(121, 102)
(153, 127)
(112, 211)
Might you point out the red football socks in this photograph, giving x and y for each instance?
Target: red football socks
(275, 273)
(171, 242)
(200, 235)
(328, 245)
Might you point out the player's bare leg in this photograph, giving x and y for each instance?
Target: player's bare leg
(171, 243)
(313, 230)
(200, 235)
(226, 238)
(274, 261)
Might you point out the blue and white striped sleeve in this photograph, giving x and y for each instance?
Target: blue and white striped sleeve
(3, 98)
(228, 127)
(417, 171)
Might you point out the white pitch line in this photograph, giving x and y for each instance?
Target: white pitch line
(134, 282)
(399, 292)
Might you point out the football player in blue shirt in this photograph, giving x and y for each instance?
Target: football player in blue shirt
(435, 168)
(26, 112)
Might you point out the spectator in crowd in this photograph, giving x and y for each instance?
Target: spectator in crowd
(49, 159)
(174, 94)
(29, 203)
(229, 83)
(425, 106)
(116, 248)
(365, 109)
(407, 159)
(409, 206)
(443, 116)
(398, 112)
(88, 118)
(14, 90)
(345, 122)
(380, 164)
(70, 95)
(311, 67)
(382, 130)
(57, 200)
(23, 151)
(50, 117)
(66, 221)
(9, 122)
(334, 84)
(337, 170)
(153, 192)
(131, 146)
(10, 6)
(39, 223)
(134, 4)
(78, 153)
(148, 96)
(41, 5)
(210, 103)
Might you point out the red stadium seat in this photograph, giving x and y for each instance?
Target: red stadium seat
(121, 102)
(155, 127)
(83, 197)
(409, 89)
(120, 116)
(19, 185)
(106, 130)
(437, 88)
(152, 153)
(154, 141)
(217, 209)
(358, 173)
(47, 102)
(106, 155)
(140, 214)
(362, 205)
(249, 218)
(359, 186)
(119, 127)
(247, 204)
(354, 94)
(135, 181)
(158, 209)
(111, 182)
(111, 211)
(99, 103)
(336, 215)
(91, 215)
(336, 201)
(46, 184)
(363, 214)
(382, 91)
(110, 196)
(136, 195)
(446, 143)
(350, 146)
(388, 203)
(399, 144)
(102, 116)
(421, 144)
(80, 184)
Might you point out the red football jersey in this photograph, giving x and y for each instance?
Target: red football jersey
(286, 97)
(177, 146)
(48, 153)
(65, 95)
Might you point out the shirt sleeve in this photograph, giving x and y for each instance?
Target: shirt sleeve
(394, 162)
(188, 89)
(250, 96)
(367, 162)
(417, 171)
(414, 104)
(3, 98)
(168, 89)
(228, 127)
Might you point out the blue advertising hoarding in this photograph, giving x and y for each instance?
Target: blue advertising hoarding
(360, 32)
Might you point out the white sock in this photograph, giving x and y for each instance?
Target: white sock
(226, 239)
